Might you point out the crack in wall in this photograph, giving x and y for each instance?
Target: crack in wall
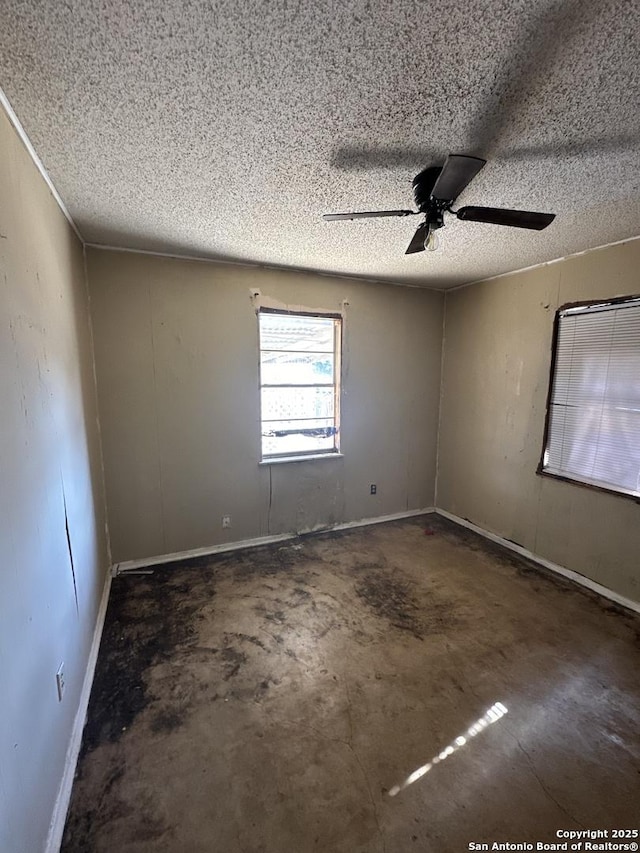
(69, 548)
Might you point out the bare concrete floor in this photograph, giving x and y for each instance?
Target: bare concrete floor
(273, 700)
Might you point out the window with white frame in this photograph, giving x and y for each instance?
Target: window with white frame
(299, 383)
(592, 432)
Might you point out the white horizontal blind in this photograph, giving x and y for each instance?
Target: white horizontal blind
(594, 416)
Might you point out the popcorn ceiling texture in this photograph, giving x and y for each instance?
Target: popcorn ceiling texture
(225, 129)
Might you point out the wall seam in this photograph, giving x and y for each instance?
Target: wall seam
(97, 403)
(542, 479)
(440, 397)
(155, 409)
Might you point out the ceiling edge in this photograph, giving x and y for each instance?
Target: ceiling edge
(543, 263)
(22, 134)
(257, 265)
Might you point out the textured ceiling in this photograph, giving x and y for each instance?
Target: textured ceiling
(226, 128)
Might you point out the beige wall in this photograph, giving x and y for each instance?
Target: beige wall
(49, 457)
(176, 346)
(497, 355)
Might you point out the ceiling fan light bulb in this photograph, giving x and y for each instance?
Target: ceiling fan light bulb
(431, 242)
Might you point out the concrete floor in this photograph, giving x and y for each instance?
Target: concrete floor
(274, 700)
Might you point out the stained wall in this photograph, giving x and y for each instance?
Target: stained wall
(176, 349)
(497, 358)
(53, 549)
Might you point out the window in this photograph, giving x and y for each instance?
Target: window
(592, 433)
(299, 383)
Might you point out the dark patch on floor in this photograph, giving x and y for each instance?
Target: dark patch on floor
(301, 595)
(278, 617)
(268, 561)
(246, 638)
(85, 826)
(270, 634)
(233, 660)
(392, 600)
(139, 631)
(167, 720)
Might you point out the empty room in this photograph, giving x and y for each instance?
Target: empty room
(319, 426)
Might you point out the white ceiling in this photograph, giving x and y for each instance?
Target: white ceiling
(226, 128)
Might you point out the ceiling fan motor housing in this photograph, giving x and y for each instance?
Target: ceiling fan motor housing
(422, 188)
(423, 185)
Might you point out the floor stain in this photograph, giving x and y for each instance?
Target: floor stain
(139, 632)
(255, 641)
(233, 660)
(247, 683)
(391, 600)
(167, 720)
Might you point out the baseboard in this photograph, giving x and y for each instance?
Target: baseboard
(56, 828)
(147, 562)
(381, 519)
(541, 561)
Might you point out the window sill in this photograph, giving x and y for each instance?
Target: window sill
(279, 460)
(589, 484)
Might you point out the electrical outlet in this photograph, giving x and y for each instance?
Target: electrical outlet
(60, 682)
(226, 521)
(374, 488)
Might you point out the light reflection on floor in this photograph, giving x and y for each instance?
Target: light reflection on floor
(494, 713)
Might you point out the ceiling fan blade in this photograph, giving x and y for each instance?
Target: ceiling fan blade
(366, 214)
(417, 242)
(458, 171)
(502, 216)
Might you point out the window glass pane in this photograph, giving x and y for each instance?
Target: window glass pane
(296, 368)
(298, 363)
(295, 403)
(293, 332)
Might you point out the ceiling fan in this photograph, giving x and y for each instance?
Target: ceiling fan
(435, 189)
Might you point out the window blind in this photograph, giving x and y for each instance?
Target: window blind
(593, 433)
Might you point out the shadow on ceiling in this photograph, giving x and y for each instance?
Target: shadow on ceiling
(559, 27)
(361, 158)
